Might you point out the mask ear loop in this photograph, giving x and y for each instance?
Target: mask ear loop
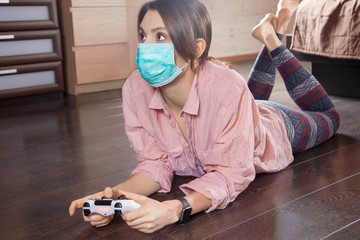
(184, 66)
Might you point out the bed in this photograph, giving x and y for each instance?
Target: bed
(327, 33)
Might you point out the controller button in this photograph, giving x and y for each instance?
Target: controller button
(86, 204)
(117, 213)
(103, 197)
(121, 197)
(118, 205)
(87, 212)
(104, 202)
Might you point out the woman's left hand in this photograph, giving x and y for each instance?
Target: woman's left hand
(152, 215)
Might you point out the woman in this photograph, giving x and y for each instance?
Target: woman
(192, 116)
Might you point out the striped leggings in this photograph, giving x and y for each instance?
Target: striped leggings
(317, 119)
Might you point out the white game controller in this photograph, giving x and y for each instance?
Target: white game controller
(107, 207)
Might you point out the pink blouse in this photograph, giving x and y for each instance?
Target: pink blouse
(231, 137)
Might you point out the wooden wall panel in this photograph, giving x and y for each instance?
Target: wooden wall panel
(101, 63)
(233, 21)
(109, 27)
(97, 3)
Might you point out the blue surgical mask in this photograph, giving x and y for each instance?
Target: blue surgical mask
(156, 63)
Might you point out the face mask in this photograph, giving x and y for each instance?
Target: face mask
(156, 63)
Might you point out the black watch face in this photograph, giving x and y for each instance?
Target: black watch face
(186, 214)
(187, 210)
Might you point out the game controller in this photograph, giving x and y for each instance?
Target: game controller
(107, 207)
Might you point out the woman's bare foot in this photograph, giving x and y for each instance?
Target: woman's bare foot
(292, 5)
(265, 32)
(285, 10)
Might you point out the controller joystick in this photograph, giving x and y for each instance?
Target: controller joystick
(121, 197)
(108, 207)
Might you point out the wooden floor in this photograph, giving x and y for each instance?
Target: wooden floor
(52, 153)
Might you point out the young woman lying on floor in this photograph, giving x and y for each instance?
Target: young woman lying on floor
(188, 115)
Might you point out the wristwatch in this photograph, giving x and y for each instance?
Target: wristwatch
(186, 211)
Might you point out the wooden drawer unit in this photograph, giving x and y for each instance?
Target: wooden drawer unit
(28, 14)
(96, 44)
(29, 79)
(30, 48)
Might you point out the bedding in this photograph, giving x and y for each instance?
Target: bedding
(329, 28)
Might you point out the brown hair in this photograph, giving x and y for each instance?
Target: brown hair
(185, 21)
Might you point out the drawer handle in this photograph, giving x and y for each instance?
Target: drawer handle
(4, 1)
(3, 37)
(9, 71)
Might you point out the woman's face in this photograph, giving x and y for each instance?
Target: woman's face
(152, 30)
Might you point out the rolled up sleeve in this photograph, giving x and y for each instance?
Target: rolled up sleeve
(229, 165)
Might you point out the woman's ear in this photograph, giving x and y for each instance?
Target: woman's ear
(200, 47)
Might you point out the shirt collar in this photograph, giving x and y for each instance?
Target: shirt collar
(192, 102)
(157, 101)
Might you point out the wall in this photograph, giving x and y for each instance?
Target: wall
(232, 22)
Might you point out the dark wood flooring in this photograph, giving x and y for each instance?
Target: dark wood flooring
(57, 151)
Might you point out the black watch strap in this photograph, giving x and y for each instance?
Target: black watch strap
(186, 211)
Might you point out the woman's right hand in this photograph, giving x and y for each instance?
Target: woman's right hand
(96, 220)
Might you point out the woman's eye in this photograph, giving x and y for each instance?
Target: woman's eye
(142, 37)
(160, 37)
